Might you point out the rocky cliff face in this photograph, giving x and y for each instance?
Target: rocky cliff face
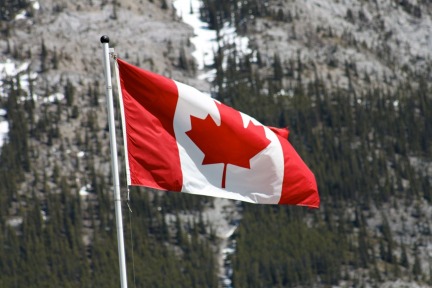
(353, 44)
(60, 41)
(141, 31)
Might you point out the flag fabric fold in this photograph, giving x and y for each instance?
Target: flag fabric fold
(179, 139)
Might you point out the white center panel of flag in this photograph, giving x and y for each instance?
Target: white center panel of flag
(261, 183)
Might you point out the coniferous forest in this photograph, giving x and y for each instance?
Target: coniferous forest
(370, 149)
(361, 145)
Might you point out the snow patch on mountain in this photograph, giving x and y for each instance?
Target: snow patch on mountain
(24, 13)
(56, 97)
(207, 41)
(4, 130)
(11, 71)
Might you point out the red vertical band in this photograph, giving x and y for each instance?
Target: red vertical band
(299, 185)
(150, 102)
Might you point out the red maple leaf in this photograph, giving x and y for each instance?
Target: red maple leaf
(229, 143)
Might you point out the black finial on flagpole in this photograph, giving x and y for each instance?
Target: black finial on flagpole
(104, 39)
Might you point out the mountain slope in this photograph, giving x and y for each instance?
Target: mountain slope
(350, 79)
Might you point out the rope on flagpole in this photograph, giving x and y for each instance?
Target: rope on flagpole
(132, 245)
(123, 126)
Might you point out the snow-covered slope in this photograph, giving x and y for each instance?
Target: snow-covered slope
(12, 71)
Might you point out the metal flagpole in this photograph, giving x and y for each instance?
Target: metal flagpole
(114, 162)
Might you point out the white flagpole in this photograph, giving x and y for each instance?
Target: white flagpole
(114, 162)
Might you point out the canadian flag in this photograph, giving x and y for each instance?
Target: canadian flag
(179, 139)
